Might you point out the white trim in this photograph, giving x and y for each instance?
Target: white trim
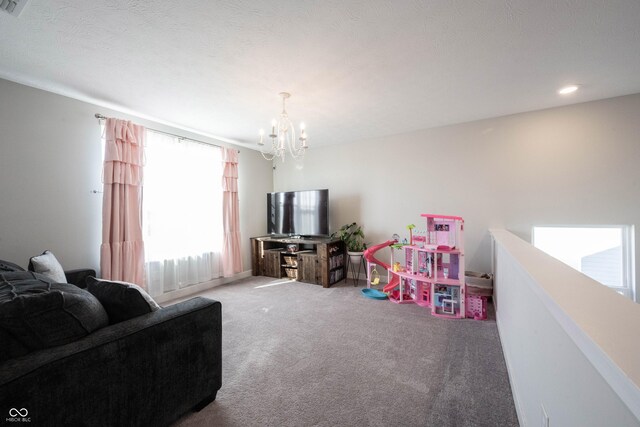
(514, 389)
(200, 287)
(629, 259)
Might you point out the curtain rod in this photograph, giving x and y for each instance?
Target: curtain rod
(102, 117)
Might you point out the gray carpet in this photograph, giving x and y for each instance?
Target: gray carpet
(295, 354)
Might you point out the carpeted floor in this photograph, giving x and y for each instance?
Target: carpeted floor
(295, 354)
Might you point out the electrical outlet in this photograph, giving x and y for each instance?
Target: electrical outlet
(544, 419)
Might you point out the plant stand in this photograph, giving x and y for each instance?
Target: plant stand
(355, 261)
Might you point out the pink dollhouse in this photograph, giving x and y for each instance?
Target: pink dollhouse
(432, 274)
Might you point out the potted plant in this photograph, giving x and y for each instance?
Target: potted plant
(353, 238)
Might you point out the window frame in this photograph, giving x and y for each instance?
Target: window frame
(627, 242)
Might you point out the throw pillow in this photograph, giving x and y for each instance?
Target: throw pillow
(48, 265)
(36, 313)
(121, 300)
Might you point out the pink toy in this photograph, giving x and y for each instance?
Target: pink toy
(368, 255)
(433, 271)
(476, 307)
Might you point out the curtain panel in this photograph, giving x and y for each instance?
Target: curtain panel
(182, 213)
(231, 254)
(122, 249)
(172, 274)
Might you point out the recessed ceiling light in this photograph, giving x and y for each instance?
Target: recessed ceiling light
(566, 90)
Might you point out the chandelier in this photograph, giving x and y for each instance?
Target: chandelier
(283, 137)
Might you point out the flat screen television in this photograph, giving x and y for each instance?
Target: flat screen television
(298, 213)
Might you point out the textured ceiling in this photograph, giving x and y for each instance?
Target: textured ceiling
(356, 69)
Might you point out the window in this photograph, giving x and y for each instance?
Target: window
(182, 212)
(604, 253)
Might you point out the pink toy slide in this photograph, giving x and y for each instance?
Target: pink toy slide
(368, 255)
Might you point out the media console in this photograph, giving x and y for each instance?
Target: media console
(320, 261)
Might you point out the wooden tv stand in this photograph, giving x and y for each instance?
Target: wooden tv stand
(321, 261)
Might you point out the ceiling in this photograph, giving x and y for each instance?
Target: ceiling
(356, 69)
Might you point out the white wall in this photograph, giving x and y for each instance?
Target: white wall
(50, 161)
(570, 344)
(571, 165)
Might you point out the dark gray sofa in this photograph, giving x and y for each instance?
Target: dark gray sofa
(145, 371)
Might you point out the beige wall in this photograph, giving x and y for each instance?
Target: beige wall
(571, 165)
(50, 162)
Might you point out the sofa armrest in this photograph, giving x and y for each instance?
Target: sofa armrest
(79, 276)
(9, 266)
(152, 368)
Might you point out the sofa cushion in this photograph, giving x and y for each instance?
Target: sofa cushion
(11, 347)
(37, 313)
(121, 300)
(48, 265)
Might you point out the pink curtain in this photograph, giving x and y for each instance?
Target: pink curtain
(122, 250)
(231, 255)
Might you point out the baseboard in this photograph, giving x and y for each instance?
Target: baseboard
(200, 287)
(514, 388)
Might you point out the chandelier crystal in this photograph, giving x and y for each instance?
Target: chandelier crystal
(283, 137)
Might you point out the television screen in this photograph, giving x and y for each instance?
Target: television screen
(298, 213)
